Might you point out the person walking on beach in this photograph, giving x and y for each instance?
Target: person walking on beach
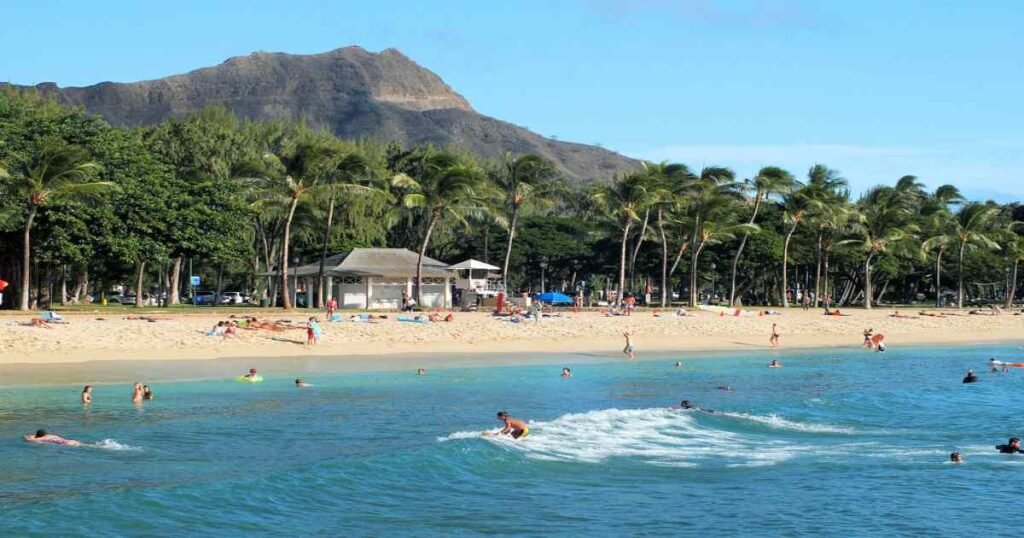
(87, 395)
(513, 426)
(868, 333)
(773, 340)
(137, 393)
(332, 305)
(312, 332)
(630, 349)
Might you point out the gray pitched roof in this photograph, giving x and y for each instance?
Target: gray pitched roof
(395, 262)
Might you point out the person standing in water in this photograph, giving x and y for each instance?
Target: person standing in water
(630, 349)
(87, 395)
(970, 377)
(137, 393)
(773, 340)
(513, 426)
(41, 436)
(775, 364)
(147, 393)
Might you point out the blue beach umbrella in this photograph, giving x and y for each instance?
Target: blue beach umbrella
(553, 297)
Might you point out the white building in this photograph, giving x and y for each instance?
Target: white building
(477, 276)
(374, 278)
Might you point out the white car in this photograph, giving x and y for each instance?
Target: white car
(233, 297)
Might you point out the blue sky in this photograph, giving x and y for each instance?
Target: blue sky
(876, 89)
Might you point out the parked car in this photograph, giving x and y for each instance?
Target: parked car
(204, 298)
(233, 297)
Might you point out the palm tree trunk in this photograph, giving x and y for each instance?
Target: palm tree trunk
(694, 293)
(419, 261)
(938, 279)
(174, 294)
(679, 256)
(960, 268)
(286, 299)
(867, 282)
(138, 284)
(622, 264)
(817, 273)
(1013, 286)
(26, 258)
(739, 252)
(785, 263)
(320, 302)
(508, 247)
(824, 287)
(636, 250)
(664, 260)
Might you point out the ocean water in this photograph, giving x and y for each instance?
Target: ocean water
(835, 443)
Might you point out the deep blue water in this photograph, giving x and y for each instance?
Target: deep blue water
(835, 443)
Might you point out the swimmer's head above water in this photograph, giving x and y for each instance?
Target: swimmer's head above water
(41, 433)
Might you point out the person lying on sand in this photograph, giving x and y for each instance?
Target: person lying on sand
(835, 312)
(151, 319)
(513, 426)
(896, 314)
(927, 314)
(36, 322)
(41, 436)
(682, 312)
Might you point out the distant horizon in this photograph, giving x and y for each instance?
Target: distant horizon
(874, 91)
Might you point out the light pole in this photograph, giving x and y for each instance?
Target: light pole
(543, 266)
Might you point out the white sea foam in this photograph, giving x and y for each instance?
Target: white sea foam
(110, 444)
(780, 423)
(654, 436)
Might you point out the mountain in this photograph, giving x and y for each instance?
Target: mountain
(350, 91)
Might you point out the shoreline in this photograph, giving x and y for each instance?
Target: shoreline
(98, 350)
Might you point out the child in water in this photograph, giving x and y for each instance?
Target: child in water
(630, 349)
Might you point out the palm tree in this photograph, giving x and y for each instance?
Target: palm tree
(712, 197)
(938, 220)
(828, 218)
(522, 179)
(57, 171)
(880, 224)
(670, 183)
(291, 164)
(623, 201)
(1015, 250)
(444, 188)
(769, 180)
(823, 186)
(971, 227)
(341, 174)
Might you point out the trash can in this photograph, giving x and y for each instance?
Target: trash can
(264, 302)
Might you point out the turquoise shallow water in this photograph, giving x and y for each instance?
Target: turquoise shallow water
(835, 443)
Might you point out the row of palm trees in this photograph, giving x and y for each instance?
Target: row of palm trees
(694, 210)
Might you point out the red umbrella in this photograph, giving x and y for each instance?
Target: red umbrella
(3, 285)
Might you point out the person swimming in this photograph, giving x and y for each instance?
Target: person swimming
(252, 373)
(678, 364)
(513, 426)
(687, 405)
(566, 373)
(41, 436)
(147, 393)
(421, 371)
(1011, 447)
(87, 395)
(970, 377)
(775, 364)
(137, 393)
(955, 457)
(300, 384)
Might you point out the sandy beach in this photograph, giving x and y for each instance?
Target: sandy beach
(99, 336)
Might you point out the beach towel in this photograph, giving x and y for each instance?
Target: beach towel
(51, 316)
(413, 319)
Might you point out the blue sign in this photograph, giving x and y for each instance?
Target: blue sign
(194, 281)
